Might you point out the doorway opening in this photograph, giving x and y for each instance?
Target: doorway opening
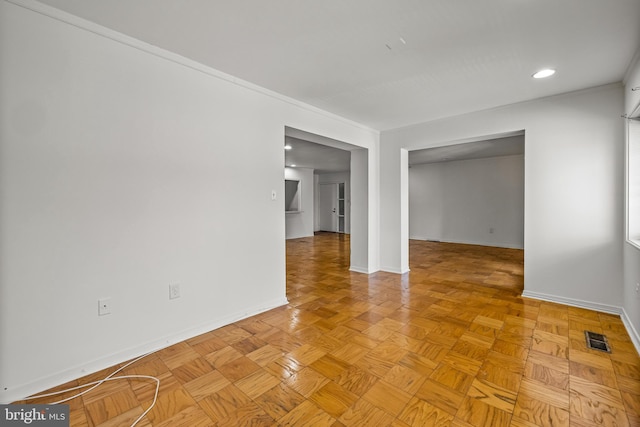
(333, 180)
(332, 207)
(469, 193)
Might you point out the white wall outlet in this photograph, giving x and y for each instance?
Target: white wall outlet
(273, 194)
(491, 230)
(174, 291)
(104, 306)
(637, 287)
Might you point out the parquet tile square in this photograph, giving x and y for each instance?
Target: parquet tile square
(350, 352)
(248, 415)
(307, 414)
(177, 355)
(306, 381)
(206, 343)
(192, 370)
(257, 383)
(168, 405)
(307, 354)
(356, 380)
(279, 401)
(468, 365)
(440, 396)
(333, 399)
(223, 356)
(100, 411)
(538, 413)
(363, 413)
(265, 355)
(451, 343)
(387, 397)
(238, 368)
(421, 413)
(478, 413)
(405, 379)
(495, 372)
(452, 378)
(146, 389)
(597, 403)
(418, 363)
(549, 343)
(546, 375)
(374, 366)
(224, 402)
(492, 395)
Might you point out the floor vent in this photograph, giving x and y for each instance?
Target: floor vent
(597, 341)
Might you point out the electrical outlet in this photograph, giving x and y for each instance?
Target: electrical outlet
(637, 287)
(491, 230)
(104, 306)
(174, 291)
(273, 194)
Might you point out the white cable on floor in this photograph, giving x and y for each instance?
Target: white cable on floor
(109, 377)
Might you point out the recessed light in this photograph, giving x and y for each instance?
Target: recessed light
(547, 72)
(293, 166)
(288, 147)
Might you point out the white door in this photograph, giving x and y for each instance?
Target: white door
(328, 207)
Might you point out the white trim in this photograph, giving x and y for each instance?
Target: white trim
(634, 243)
(471, 242)
(394, 270)
(45, 383)
(633, 333)
(604, 308)
(360, 270)
(99, 30)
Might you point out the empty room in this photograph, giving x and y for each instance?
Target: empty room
(460, 246)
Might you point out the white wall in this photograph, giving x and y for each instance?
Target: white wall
(631, 298)
(573, 190)
(300, 224)
(123, 169)
(335, 178)
(479, 201)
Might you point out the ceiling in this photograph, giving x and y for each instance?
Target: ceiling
(387, 64)
(320, 158)
(508, 146)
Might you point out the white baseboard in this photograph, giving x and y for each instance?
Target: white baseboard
(357, 269)
(45, 383)
(604, 308)
(633, 333)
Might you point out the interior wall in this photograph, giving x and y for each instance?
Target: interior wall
(300, 224)
(631, 297)
(574, 190)
(479, 201)
(123, 169)
(335, 178)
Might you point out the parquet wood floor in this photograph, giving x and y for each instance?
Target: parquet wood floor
(451, 343)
